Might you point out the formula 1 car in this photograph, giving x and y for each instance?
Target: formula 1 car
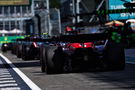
(67, 53)
(27, 48)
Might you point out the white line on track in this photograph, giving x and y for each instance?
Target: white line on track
(8, 81)
(4, 73)
(13, 88)
(8, 85)
(9, 78)
(32, 85)
(5, 76)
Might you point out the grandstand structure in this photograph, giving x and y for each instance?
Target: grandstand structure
(13, 13)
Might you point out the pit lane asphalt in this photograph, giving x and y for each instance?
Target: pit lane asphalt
(107, 80)
(9, 80)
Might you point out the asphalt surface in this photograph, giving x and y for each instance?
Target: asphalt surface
(105, 80)
(9, 79)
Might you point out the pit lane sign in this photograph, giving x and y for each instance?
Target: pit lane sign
(14, 2)
(118, 4)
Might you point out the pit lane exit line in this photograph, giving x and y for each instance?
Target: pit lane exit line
(31, 84)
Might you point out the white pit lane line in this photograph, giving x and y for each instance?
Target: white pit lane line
(32, 85)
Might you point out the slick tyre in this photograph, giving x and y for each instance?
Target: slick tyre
(19, 51)
(54, 60)
(115, 56)
(25, 54)
(3, 48)
(42, 59)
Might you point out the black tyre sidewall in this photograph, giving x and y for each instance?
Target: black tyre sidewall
(115, 56)
(25, 55)
(54, 60)
(42, 58)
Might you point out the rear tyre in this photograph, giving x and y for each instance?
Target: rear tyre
(19, 51)
(42, 58)
(54, 60)
(25, 54)
(4, 47)
(13, 48)
(115, 56)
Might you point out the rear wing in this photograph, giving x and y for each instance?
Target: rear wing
(71, 38)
